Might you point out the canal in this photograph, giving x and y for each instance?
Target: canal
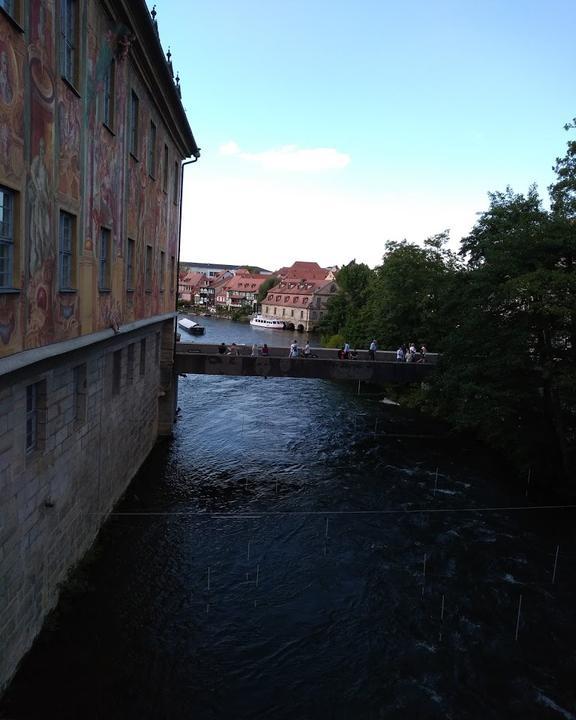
(298, 551)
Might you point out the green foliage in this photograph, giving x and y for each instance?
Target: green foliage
(503, 314)
(333, 341)
(265, 287)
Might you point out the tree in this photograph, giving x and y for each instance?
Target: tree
(505, 370)
(345, 309)
(266, 286)
(408, 292)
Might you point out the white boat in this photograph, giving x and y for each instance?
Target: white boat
(267, 323)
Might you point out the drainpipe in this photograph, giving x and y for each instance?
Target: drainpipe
(182, 165)
(173, 399)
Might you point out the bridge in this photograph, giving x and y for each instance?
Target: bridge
(204, 359)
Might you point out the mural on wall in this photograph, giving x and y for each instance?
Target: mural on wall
(69, 146)
(56, 152)
(106, 166)
(11, 107)
(41, 240)
(11, 165)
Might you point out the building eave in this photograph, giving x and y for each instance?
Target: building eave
(148, 55)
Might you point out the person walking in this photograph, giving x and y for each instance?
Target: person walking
(307, 350)
(400, 356)
(254, 352)
(233, 350)
(372, 350)
(265, 352)
(293, 350)
(346, 351)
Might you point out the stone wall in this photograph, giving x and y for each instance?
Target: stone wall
(95, 427)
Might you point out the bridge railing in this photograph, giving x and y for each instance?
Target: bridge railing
(317, 352)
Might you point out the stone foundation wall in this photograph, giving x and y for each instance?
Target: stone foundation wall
(94, 428)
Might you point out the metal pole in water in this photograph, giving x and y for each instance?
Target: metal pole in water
(441, 618)
(436, 483)
(208, 585)
(555, 564)
(326, 533)
(276, 486)
(518, 618)
(257, 574)
(424, 574)
(528, 480)
(248, 553)
(359, 381)
(375, 426)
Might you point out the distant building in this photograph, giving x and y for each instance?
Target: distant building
(213, 269)
(240, 290)
(189, 284)
(301, 298)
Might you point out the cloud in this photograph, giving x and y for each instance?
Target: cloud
(290, 158)
(239, 220)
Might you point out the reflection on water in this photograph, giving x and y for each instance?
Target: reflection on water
(283, 557)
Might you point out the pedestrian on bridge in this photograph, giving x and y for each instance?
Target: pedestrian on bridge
(372, 350)
(293, 350)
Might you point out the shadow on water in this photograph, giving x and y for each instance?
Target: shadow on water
(284, 557)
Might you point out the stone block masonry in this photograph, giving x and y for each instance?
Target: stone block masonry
(74, 430)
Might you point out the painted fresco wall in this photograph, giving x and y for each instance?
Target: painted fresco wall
(56, 153)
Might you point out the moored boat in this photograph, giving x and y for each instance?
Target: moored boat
(190, 326)
(267, 323)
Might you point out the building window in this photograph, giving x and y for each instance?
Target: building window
(165, 170)
(148, 269)
(172, 268)
(80, 393)
(35, 405)
(176, 182)
(134, 110)
(69, 40)
(162, 269)
(142, 357)
(108, 104)
(130, 264)
(274, 311)
(6, 238)
(152, 151)
(292, 313)
(301, 314)
(66, 250)
(130, 364)
(104, 260)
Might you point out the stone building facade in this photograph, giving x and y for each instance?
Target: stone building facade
(92, 139)
(300, 299)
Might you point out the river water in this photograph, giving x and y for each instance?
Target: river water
(295, 552)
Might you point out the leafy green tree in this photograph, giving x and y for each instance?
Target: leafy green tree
(504, 365)
(345, 309)
(266, 286)
(408, 292)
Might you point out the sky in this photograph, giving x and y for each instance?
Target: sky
(328, 127)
